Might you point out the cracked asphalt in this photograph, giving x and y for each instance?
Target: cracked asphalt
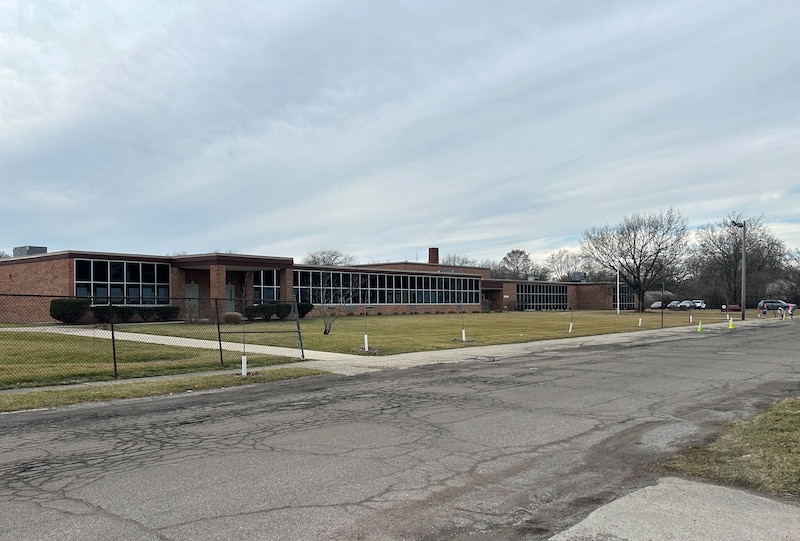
(521, 443)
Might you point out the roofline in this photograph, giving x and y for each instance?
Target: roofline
(178, 260)
(366, 268)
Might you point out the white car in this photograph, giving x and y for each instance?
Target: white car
(699, 303)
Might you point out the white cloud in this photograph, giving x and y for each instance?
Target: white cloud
(381, 129)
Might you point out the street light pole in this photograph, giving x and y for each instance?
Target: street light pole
(743, 225)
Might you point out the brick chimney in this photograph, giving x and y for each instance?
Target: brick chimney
(433, 256)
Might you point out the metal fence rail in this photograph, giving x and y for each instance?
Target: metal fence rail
(107, 341)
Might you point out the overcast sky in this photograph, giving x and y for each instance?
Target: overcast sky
(380, 128)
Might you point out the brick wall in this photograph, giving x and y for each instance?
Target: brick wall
(40, 276)
(587, 296)
(37, 276)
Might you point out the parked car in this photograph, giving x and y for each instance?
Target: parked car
(699, 303)
(686, 305)
(658, 305)
(673, 305)
(772, 304)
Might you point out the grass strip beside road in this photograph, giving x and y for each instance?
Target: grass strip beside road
(39, 399)
(760, 453)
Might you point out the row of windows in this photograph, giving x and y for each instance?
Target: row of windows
(335, 287)
(88, 270)
(122, 282)
(363, 296)
(133, 282)
(542, 296)
(336, 279)
(266, 286)
(626, 298)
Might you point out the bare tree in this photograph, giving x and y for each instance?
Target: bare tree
(458, 260)
(563, 263)
(716, 260)
(516, 265)
(540, 271)
(495, 267)
(597, 273)
(335, 294)
(789, 285)
(330, 313)
(647, 248)
(333, 258)
(4, 255)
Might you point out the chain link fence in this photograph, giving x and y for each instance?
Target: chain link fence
(55, 340)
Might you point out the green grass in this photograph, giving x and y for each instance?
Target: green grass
(141, 389)
(30, 359)
(425, 332)
(761, 453)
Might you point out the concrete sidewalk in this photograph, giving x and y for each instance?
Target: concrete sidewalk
(681, 510)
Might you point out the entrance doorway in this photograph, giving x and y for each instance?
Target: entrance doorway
(230, 298)
(192, 302)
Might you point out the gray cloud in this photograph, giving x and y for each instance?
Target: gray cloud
(382, 128)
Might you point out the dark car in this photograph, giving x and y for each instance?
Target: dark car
(673, 305)
(685, 305)
(658, 305)
(772, 304)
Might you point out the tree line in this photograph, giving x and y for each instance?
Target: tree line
(651, 251)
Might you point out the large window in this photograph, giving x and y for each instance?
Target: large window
(266, 286)
(344, 287)
(627, 298)
(122, 282)
(541, 296)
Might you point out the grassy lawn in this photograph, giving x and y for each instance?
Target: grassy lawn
(761, 453)
(390, 335)
(37, 359)
(30, 359)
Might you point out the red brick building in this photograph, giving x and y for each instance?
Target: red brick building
(230, 282)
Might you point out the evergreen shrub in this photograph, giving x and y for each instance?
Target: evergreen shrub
(303, 308)
(69, 310)
(283, 310)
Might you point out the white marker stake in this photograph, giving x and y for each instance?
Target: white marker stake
(570, 327)
(244, 365)
(463, 335)
(640, 322)
(366, 342)
(690, 318)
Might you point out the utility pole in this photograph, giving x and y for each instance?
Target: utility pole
(743, 225)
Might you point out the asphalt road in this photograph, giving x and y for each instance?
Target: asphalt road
(518, 445)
